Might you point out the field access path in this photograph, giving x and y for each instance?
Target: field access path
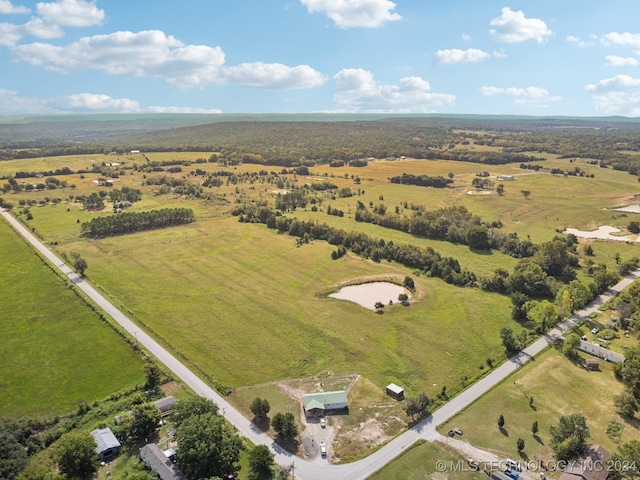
(304, 470)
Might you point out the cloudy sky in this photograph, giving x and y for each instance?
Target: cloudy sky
(523, 57)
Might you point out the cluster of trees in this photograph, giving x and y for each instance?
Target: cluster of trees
(412, 256)
(422, 180)
(208, 446)
(125, 194)
(417, 406)
(136, 222)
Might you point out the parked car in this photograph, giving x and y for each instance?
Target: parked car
(458, 431)
(323, 449)
(513, 465)
(323, 422)
(595, 330)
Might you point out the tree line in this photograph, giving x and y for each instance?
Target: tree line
(425, 259)
(129, 222)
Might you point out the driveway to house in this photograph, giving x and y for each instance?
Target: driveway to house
(358, 470)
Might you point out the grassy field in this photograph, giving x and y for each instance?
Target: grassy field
(56, 351)
(420, 462)
(559, 387)
(233, 297)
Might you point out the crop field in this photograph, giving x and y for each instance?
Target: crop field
(245, 305)
(56, 352)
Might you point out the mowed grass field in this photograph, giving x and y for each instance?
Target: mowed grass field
(55, 350)
(558, 387)
(244, 304)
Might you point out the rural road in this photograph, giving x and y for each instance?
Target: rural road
(303, 469)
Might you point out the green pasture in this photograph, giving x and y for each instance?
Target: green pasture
(559, 387)
(56, 351)
(242, 303)
(421, 461)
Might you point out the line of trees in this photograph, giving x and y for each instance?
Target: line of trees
(421, 180)
(136, 222)
(425, 259)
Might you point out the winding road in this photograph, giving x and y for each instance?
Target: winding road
(304, 470)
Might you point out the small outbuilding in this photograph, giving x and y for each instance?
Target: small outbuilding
(107, 445)
(318, 403)
(165, 405)
(591, 364)
(395, 391)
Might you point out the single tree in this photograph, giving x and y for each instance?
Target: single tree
(209, 447)
(284, 424)
(508, 340)
(409, 283)
(501, 421)
(500, 189)
(570, 346)
(520, 444)
(80, 265)
(260, 407)
(153, 374)
(569, 436)
(75, 455)
(588, 250)
(626, 404)
(192, 407)
(403, 298)
(143, 420)
(534, 428)
(525, 193)
(260, 463)
(379, 306)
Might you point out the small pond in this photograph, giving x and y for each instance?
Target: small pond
(367, 294)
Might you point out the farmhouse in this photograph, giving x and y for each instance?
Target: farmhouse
(318, 403)
(108, 445)
(160, 463)
(591, 466)
(601, 352)
(395, 391)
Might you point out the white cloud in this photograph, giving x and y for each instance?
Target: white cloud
(93, 102)
(615, 61)
(6, 7)
(10, 34)
(499, 53)
(357, 90)
(354, 13)
(466, 37)
(625, 39)
(41, 29)
(273, 76)
(71, 13)
(156, 55)
(523, 96)
(11, 103)
(182, 110)
(514, 27)
(619, 95)
(471, 55)
(577, 41)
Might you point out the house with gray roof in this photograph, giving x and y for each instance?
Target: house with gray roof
(160, 463)
(107, 445)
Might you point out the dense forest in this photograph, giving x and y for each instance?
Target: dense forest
(307, 140)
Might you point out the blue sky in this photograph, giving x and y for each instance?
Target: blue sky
(522, 57)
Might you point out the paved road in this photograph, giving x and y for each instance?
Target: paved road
(305, 470)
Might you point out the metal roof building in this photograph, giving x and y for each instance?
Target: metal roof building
(108, 445)
(325, 401)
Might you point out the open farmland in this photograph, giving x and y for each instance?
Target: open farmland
(202, 287)
(56, 351)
